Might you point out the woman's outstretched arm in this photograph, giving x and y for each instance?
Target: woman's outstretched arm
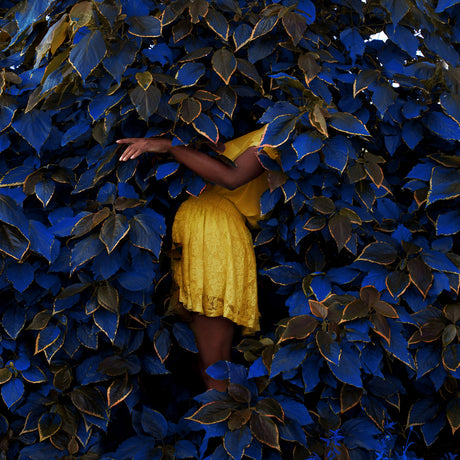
(247, 165)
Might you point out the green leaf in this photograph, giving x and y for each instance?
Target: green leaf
(227, 100)
(348, 123)
(340, 228)
(451, 357)
(397, 282)
(107, 297)
(299, 327)
(118, 391)
(452, 312)
(323, 204)
(114, 229)
(449, 334)
(295, 25)
(87, 223)
(89, 400)
(224, 64)
(328, 347)
(146, 101)
(239, 392)
(453, 414)
(213, 412)
(265, 430)
(364, 79)
(5, 375)
(144, 79)
(349, 397)
(271, 408)
(239, 418)
(12, 241)
(355, 309)
(379, 253)
(190, 109)
(420, 274)
(48, 425)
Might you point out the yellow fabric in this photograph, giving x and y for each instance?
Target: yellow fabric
(247, 197)
(216, 273)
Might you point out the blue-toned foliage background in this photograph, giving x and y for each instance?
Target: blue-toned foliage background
(359, 352)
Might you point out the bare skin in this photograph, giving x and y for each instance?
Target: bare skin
(213, 335)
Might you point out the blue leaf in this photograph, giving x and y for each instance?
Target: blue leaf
(257, 368)
(123, 57)
(22, 363)
(412, 133)
(403, 37)
(287, 358)
(33, 375)
(185, 449)
(190, 72)
(17, 176)
(448, 223)
(184, 337)
(206, 127)
(413, 109)
(444, 4)
(321, 287)
(289, 273)
(442, 125)
(162, 342)
(269, 200)
(154, 423)
(85, 250)
(135, 280)
(34, 127)
(146, 231)
(292, 431)
(235, 442)
(242, 35)
(21, 275)
(295, 410)
(336, 152)
(107, 265)
(279, 130)
(451, 104)
(353, 42)
(41, 239)
(428, 357)
(166, 170)
(307, 9)
(348, 369)
(12, 391)
(13, 320)
(439, 261)
(154, 366)
(397, 9)
(279, 108)
(160, 52)
(361, 432)
(99, 106)
(348, 123)
(144, 26)
(307, 143)
(445, 184)
(107, 322)
(398, 344)
(88, 51)
(439, 47)
(83, 128)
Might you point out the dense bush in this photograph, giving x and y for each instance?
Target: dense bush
(360, 265)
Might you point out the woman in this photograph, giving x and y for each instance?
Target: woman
(216, 273)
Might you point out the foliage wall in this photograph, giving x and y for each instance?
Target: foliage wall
(359, 261)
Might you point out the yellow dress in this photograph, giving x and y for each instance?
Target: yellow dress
(216, 273)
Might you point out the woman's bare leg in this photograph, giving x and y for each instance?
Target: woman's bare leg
(214, 337)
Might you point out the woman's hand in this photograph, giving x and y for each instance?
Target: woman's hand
(139, 145)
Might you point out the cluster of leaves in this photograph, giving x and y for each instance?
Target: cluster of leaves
(361, 100)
